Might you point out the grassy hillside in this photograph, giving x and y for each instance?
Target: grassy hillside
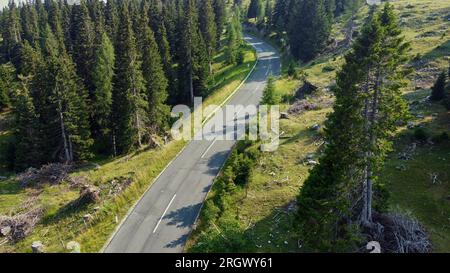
(262, 218)
(91, 225)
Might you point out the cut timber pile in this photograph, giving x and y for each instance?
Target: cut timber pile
(19, 226)
(301, 106)
(50, 173)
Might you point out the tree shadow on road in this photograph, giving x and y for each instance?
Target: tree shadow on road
(183, 217)
(178, 242)
(216, 162)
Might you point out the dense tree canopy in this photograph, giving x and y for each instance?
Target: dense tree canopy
(98, 76)
(306, 22)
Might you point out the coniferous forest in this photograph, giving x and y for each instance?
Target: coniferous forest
(361, 165)
(298, 18)
(99, 77)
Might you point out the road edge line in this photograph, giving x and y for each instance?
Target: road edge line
(223, 165)
(130, 210)
(206, 196)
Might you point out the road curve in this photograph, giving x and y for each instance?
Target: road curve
(163, 218)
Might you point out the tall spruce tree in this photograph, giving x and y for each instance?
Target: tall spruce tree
(7, 84)
(339, 190)
(193, 57)
(155, 80)
(157, 23)
(261, 12)
(111, 19)
(27, 150)
(54, 20)
(208, 28)
(102, 98)
(30, 25)
(253, 9)
(83, 40)
(220, 19)
(280, 14)
(232, 45)
(65, 124)
(308, 15)
(96, 13)
(268, 10)
(66, 21)
(129, 104)
(11, 30)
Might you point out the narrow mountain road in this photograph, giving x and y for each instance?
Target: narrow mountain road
(163, 218)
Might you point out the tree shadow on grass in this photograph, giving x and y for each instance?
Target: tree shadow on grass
(440, 51)
(70, 209)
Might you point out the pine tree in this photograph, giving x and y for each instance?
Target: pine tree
(193, 67)
(42, 19)
(171, 17)
(27, 150)
(129, 105)
(66, 12)
(102, 99)
(280, 14)
(330, 7)
(368, 103)
(65, 116)
(232, 43)
(308, 15)
(32, 65)
(30, 25)
(268, 14)
(438, 89)
(134, 9)
(98, 18)
(220, 18)
(208, 28)
(253, 11)
(269, 96)
(157, 23)
(83, 38)
(155, 80)
(54, 20)
(111, 19)
(7, 84)
(11, 37)
(261, 12)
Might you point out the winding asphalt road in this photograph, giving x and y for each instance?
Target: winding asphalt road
(163, 218)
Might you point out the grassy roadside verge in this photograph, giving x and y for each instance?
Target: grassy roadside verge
(91, 225)
(228, 77)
